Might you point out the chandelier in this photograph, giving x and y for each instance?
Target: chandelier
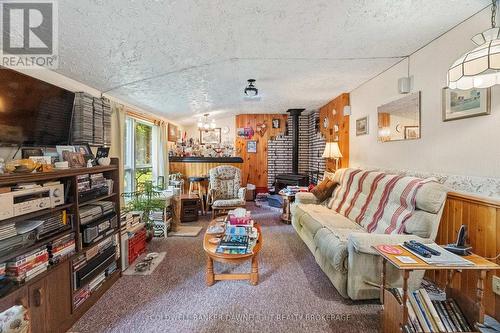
(479, 68)
(206, 125)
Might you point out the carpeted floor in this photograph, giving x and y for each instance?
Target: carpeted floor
(293, 295)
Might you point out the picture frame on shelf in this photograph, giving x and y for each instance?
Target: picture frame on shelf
(74, 159)
(362, 126)
(251, 146)
(61, 149)
(460, 104)
(210, 136)
(86, 151)
(102, 152)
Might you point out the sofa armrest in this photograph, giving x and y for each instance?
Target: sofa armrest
(242, 193)
(363, 242)
(306, 198)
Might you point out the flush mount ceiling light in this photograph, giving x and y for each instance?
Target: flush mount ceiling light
(206, 125)
(479, 68)
(251, 90)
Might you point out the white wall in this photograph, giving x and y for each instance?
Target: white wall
(229, 122)
(461, 147)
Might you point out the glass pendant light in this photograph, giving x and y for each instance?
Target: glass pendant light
(479, 68)
(204, 124)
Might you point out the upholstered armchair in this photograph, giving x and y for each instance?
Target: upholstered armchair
(224, 189)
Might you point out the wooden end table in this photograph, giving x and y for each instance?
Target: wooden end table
(212, 256)
(286, 216)
(473, 309)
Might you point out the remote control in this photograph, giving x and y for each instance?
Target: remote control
(431, 250)
(416, 249)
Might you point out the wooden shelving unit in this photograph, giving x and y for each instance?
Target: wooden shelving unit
(56, 312)
(395, 315)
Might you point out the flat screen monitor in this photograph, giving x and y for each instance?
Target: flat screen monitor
(33, 112)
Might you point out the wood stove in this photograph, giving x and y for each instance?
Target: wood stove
(294, 178)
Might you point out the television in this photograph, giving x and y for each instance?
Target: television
(33, 112)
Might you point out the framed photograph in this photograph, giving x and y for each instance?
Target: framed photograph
(172, 133)
(251, 146)
(362, 126)
(460, 104)
(61, 149)
(276, 123)
(86, 151)
(74, 159)
(102, 152)
(412, 132)
(210, 137)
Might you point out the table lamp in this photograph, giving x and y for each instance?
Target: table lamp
(332, 151)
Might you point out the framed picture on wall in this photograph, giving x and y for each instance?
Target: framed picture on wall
(276, 123)
(460, 104)
(412, 132)
(251, 146)
(211, 136)
(362, 126)
(172, 133)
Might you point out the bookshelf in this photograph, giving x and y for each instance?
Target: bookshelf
(48, 297)
(395, 314)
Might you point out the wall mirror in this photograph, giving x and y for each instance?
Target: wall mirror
(400, 119)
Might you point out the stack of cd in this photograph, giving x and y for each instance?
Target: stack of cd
(7, 230)
(83, 182)
(89, 213)
(95, 210)
(97, 180)
(106, 121)
(98, 122)
(83, 114)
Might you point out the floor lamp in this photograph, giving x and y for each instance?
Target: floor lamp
(332, 151)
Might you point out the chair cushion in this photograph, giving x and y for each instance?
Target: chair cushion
(225, 180)
(228, 203)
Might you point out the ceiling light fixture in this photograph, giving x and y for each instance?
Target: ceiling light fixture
(206, 125)
(251, 90)
(479, 68)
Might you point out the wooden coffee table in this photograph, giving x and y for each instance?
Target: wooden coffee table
(209, 248)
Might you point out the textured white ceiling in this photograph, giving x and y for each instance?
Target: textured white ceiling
(180, 58)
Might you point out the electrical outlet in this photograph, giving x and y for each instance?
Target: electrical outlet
(496, 285)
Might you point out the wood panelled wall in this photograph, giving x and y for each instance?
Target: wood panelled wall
(342, 122)
(482, 217)
(254, 168)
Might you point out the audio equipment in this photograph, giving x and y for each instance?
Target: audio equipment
(94, 267)
(97, 230)
(30, 199)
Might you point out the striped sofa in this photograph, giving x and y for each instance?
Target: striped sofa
(367, 208)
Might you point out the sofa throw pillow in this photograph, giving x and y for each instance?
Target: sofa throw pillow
(324, 189)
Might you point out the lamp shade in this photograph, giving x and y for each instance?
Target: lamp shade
(480, 67)
(332, 150)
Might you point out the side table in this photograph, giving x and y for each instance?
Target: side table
(286, 216)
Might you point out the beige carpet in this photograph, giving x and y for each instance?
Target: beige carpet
(185, 231)
(293, 294)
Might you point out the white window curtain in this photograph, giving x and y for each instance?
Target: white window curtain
(117, 148)
(162, 149)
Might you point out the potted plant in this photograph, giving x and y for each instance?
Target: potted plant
(147, 199)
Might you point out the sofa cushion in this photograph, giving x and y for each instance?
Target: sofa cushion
(332, 244)
(324, 189)
(313, 217)
(431, 197)
(422, 224)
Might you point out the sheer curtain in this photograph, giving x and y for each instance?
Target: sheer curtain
(117, 148)
(162, 162)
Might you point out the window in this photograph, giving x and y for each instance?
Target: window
(140, 153)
